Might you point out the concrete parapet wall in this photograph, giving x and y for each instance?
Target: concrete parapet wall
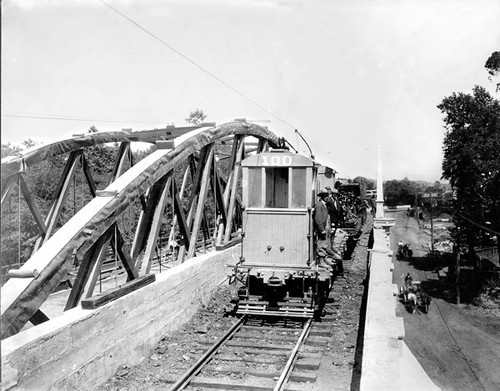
(81, 349)
(384, 331)
(387, 362)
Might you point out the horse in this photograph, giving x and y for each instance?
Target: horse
(411, 301)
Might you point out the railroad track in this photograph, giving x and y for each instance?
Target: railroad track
(253, 355)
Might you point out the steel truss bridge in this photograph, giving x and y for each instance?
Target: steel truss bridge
(207, 187)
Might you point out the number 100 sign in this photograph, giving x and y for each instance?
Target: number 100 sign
(276, 160)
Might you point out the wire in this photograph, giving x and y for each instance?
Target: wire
(73, 118)
(196, 64)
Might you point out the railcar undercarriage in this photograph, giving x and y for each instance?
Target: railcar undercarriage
(288, 293)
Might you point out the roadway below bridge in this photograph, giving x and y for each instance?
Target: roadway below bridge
(457, 345)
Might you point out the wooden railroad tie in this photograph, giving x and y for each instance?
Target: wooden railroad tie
(115, 293)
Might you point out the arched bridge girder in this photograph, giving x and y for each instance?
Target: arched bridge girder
(13, 165)
(94, 228)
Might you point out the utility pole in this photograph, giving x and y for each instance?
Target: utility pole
(432, 225)
(429, 197)
(416, 210)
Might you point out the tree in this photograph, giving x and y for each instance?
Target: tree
(196, 117)
(10, 150)
(402, 192)
(472, 161)
(493, 66)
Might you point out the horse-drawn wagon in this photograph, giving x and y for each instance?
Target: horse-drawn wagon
(414, 297)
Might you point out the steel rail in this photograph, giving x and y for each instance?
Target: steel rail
(193, 371)
(288, 367)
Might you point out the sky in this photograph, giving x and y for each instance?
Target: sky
(350, 75)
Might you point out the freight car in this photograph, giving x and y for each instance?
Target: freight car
(277, 268)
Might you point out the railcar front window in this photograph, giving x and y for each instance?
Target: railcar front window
(255, 187)
(277, 187)
(299, 188)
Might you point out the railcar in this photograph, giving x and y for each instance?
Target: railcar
(277, 268)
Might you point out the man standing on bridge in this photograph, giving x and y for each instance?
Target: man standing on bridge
(322, 229)
(335, 210)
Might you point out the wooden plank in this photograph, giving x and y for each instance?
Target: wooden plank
(295, 376)
(310, 355)
(96, 273)
(154, 228)
(87, 270)
(219, 197)
(309, 349)
(205, 179)
(32, 206)
(181, 217)
(304, 364)
(228, 384)
(120, 160)
(88, 176)
(140, 230)
(62, 191)
(234, 186)
(197, 174)
(124, 254)
(177, 197)
(143, 229)
(120, 291)
(254, 345)
(132, 163)
(231, 243)
(234, 150)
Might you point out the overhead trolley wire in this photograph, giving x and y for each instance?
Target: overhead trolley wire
(73, 118)
(179, 53)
